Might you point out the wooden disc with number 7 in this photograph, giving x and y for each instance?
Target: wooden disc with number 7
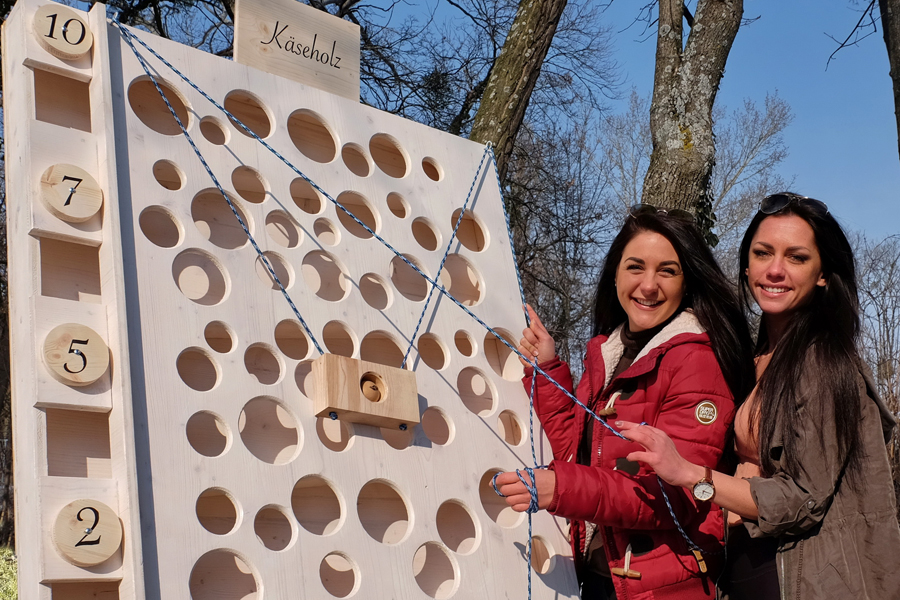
(87, 532)
(70, 193)
(76, 354)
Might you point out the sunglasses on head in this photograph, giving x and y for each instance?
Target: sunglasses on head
(777, 202)
(649, 209)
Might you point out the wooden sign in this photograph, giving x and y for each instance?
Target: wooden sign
(87, 532)
(293, 40)
(62, 32)
(76, 354)
(70, 193)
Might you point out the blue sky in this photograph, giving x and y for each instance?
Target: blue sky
(843, 140)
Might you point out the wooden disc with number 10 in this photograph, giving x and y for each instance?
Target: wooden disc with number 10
(76, 354)
(70, 193)
(62, 32)
(87, 532)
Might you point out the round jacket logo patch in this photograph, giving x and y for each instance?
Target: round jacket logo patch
(706, 412)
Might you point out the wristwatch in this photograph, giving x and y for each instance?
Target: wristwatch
(704, 489)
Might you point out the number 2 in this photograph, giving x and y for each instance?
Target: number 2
(71, 189)
(83, 358)
(90, 530)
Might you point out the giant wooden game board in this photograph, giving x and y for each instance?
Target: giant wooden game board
(167, 442)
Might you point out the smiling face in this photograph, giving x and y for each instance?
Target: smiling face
(784, 267)
(649, 281)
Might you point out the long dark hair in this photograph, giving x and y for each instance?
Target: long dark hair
(818, 346)
(707, 291)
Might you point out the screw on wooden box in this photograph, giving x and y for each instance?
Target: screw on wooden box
(365, 392)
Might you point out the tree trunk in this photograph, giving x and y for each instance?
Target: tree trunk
(684, 90)
(890, 23)
(513, 76)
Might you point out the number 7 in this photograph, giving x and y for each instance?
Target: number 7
(71, 189)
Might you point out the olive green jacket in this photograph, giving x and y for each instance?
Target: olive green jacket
(836, 540)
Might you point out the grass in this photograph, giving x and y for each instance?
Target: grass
(8, 566)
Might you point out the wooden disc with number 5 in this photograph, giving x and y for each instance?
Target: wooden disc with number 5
(70, 193)
(87, 532)
(76, 354)
(62, 32)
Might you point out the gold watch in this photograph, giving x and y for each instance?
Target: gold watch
(704, 489)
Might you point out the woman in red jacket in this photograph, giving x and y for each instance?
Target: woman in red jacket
(672, 350)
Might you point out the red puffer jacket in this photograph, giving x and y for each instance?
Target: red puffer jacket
(674, 384)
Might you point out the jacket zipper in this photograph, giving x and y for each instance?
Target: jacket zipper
(799, 566)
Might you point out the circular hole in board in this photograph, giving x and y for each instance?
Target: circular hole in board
(339, 574)
(339, 338)
(511, 429)
(503, 361)
(335, 435)
(168, 175)
(465, 343)
(151, 109)
(458, 528)
(437, 426)
(432, 169)
(249, 110)
(282, 229)
(214, 131)
(273, 528)
(382, 348)
(263, 363)
(197, 369)
(215, 220)
(398, 205)
(249, 184)
(362, 210)
(219, 337)
(326, 232)
(462, 280)
(306, 197)
(476, 391)
(217, 511)
(161, 227)
(325, 276)
(383, 512)
(543, 556)
(398, 439)
(223, 575)
(282, 268)
(316, 505)
(432, 350)
(496, 507)
(435, 570)
(200, 277)
(355, 158)
(208, 434)
(426, 234)
(375, 291)
(408, 282)
(312, 136)
(471, 233)
(292, 340)
(389, 155)
(269, 431)
(304, 379)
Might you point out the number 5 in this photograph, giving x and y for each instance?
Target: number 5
(79, 354)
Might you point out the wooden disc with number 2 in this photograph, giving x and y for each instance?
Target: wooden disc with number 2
(76, 354)
(87, 532)
(70, 193)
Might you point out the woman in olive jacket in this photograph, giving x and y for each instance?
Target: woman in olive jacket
(813, 489)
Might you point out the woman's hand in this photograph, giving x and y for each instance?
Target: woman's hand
(660, 454)
(536, 342)
(516, 493)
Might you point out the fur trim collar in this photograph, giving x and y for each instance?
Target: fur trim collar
(612, 349)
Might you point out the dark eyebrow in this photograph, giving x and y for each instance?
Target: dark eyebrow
(670, 262)
(635, 259)
(790, 249)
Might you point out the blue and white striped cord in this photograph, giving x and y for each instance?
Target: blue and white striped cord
(259, 252)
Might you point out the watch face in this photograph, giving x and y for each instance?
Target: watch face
(704, 491)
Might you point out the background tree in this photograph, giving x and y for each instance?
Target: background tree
(686, 80)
